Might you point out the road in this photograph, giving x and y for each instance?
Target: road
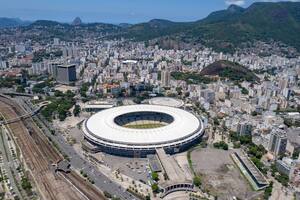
(8, 162)
(77, 162)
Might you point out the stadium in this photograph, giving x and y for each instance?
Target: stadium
(138, 130)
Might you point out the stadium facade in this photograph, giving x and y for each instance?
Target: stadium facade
(138, 130)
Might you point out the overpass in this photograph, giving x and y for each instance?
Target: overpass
(24, 116)
(17, 94)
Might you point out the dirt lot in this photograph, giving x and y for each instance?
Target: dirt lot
(220, 176)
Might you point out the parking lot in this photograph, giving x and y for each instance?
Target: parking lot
(136, 168)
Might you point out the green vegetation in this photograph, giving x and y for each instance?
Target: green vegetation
(244, 91)
(154, 176)
(255, 152)
(291, 122)
(259, 164)
(38, 56)
(231, 70)
(281, 178)
(59, 106)
(76, 110)
(155, 188)
(20, 89)
(268, 191)
(38, 88)
(144, 126)
(191, 78)
(225, 30)
(84, 88)
(197, 181)
(296, 154)
(8, 82)
(25, 183)
(190, 161)
(141, 97)
(221, 145)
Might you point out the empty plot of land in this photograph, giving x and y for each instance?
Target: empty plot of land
(220, 175)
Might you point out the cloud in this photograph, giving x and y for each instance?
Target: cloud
(235, 2)
(242, 2)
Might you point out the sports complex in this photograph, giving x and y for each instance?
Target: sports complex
(138, 130)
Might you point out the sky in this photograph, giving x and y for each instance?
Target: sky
(115, 11)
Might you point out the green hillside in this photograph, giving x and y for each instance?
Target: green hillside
(229, 28)
(230, 70)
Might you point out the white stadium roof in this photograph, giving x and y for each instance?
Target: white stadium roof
(167, 101)
(102, 127)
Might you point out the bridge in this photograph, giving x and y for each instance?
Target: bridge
(24, 116)
(17, 94)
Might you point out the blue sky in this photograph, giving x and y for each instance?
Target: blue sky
(114, 11)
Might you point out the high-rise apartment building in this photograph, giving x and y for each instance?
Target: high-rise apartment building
(278, 142)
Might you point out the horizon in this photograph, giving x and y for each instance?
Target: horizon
(118, 11)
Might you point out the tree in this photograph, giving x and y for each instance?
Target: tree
(268, 191)
(221, 145)
(84, 88)
(155, 188)
(58, 93)
(197, 181)
(76, 110)
(244, 91)
(296, 154)
(26, 185)
(154, 176)
(69, 94)
(283, 179)
(20, 89)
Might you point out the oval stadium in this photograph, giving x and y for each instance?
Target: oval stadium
(138, 130)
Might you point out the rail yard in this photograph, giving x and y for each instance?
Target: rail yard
(40, 158)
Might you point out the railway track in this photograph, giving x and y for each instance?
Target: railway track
(90, 192)
(39, 157)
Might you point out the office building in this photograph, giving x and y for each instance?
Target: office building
(66, 74)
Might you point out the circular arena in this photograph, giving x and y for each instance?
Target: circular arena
(166, 101)
(138, 130)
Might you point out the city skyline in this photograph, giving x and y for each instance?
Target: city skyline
(117, 11)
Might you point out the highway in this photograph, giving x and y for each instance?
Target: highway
(77, 162)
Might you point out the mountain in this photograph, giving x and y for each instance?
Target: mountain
(77, 22)
(233, 27)
(125, 25)
(223, 30)
(230, 70)
(155, 28)
(12, 22)
(261, 21)
(224, 15)
(47, 30)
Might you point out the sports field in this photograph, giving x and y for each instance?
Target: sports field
(143, 126)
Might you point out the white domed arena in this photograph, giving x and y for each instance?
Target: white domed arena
(138, 130)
